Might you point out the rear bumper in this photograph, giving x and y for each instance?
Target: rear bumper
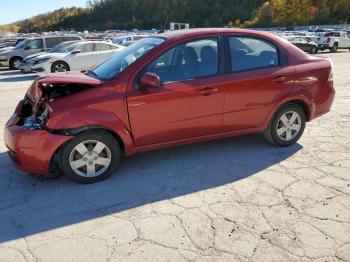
(32, 150)
(325, 103)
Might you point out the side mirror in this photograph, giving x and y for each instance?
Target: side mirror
(149, 80)
(26, 48)
(76, 52)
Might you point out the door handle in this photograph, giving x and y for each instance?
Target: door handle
(208, 91)
(280, 79)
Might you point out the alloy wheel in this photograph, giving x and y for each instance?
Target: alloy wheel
(288, 126)
(16, 63)
(60, 68)
(90, 158)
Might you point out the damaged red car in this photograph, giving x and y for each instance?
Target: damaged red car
(165, 90)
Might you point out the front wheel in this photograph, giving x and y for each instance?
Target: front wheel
(313, 50)
(90, 157)
(15, 62)
(287, 126)
(59, 67)
(334, 48)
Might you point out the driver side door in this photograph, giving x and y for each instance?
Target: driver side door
(189, 101)
(33, 47)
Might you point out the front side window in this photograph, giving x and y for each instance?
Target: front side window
(187, 61)
(248, 53)
(102, 47)
(35, 44)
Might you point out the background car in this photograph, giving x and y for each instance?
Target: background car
(14, 56)
(79, 56)
(305, 44)
(26, 65)
(127, 40)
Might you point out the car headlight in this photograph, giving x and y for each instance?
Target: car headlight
(3, 57)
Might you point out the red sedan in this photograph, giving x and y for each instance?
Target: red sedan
(174, 88)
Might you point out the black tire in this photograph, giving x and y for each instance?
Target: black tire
(270, 133)
(334, 48)
(69, 149)
(313, 50)
(61, 64)
(14, 61)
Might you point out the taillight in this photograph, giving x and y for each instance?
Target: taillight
(328, 40)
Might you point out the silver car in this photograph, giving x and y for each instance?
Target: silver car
(14, 56)
(26, 65)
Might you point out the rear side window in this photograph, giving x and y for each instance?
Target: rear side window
(248, 53)
(51, 42)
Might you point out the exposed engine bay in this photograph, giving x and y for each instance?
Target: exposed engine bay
(35, 110)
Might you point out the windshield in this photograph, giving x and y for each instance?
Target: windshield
(119, 62)
(22, 43)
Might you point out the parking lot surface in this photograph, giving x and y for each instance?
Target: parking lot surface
(237, 199)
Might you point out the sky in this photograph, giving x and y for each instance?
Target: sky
(14, 10)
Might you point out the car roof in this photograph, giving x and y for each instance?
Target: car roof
(93, 42)
(189, 33)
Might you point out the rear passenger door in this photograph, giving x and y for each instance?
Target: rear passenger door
(257, 76)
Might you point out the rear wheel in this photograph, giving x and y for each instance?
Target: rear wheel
(287, 125)
(90, 157)
(59, 67)
(15, 62)
(313, 50)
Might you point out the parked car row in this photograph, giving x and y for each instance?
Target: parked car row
(62, 53)
(83, 55)
(14, 56)
(42, 55)
(313, 42)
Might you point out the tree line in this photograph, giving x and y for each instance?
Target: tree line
(298, 12)
(147, 14)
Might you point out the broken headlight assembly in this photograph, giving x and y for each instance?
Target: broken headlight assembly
(34, 122)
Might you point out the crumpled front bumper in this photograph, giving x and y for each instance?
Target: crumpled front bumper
(31, 150)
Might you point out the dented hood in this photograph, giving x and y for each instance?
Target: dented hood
(68, 78)
(35, 92)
